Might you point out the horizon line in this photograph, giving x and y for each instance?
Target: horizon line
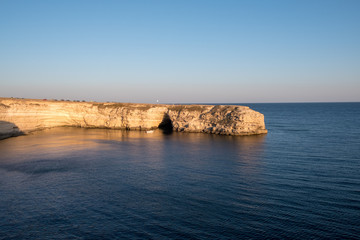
(184, 103)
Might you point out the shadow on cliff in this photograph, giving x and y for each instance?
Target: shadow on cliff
(166, 125)
(9, 129)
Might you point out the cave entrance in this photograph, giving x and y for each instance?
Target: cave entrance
(166, 124)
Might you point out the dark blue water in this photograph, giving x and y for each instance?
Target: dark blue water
(300, 181)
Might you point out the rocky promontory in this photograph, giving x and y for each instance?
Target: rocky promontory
(20, 116)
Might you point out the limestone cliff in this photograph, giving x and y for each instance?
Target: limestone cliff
(25, 115)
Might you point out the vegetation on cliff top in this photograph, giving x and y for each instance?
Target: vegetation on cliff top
(133, 106)
(190, 108)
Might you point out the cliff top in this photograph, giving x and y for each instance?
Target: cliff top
(174, 107)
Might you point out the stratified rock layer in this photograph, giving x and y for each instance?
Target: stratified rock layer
(19, 116)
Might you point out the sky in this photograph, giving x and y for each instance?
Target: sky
(181, 51)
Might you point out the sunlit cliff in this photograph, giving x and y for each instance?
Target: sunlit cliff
(18, 116)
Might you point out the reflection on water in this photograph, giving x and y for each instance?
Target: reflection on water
(111, 183)
(68, 142)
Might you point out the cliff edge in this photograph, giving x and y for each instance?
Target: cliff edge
(19, 116)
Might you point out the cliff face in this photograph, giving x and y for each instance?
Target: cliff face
(24, 115)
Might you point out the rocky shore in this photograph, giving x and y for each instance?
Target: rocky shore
(21, 116)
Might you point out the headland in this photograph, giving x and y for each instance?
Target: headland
(21, 116)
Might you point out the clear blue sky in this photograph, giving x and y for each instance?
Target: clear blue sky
(181, 51)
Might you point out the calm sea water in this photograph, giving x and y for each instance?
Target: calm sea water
(300, 181)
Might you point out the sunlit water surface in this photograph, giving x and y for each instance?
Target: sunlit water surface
(300, 181)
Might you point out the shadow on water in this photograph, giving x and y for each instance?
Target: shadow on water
(166, 125)
(9, 129)
(40, 167)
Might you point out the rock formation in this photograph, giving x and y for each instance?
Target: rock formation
(19, 116)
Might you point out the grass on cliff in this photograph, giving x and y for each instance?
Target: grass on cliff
(190, 108)
(124, 105)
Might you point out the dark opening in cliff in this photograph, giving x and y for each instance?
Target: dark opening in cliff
(166, 124)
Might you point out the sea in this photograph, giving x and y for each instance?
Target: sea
(299, 181)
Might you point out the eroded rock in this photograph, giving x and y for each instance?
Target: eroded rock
(27, 115)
